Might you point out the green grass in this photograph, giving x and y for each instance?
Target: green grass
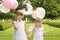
(53, 34)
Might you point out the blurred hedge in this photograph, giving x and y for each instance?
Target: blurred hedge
(5, 24)
(55, 23)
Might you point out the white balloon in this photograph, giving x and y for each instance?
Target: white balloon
(3, 9)
(29, 8)
(40, 12)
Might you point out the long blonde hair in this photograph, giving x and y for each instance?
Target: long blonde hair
(38, 20)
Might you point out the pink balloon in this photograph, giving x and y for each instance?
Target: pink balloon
(10, 4)
(39, 13)
(34, 15)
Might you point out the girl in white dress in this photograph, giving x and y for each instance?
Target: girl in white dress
(19, 26)
(37, 29)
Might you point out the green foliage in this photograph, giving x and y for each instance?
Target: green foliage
(55, 23)
(37, 3)
(52, 9)
(7, 16)
(57, 18)
(21, 5)
(5, 24)
(29, 17)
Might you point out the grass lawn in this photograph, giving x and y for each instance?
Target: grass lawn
(54, 33)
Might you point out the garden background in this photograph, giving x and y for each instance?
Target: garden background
(51, 21)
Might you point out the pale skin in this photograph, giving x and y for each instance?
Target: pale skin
(19, 18)
(38, 26)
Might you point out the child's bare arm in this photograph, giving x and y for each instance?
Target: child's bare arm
(46, 32)
(15, 25)
(32, 31)
(30, 34)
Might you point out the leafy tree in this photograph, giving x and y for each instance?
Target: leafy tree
(52, 8)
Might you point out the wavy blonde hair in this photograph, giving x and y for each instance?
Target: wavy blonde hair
(38, 20)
